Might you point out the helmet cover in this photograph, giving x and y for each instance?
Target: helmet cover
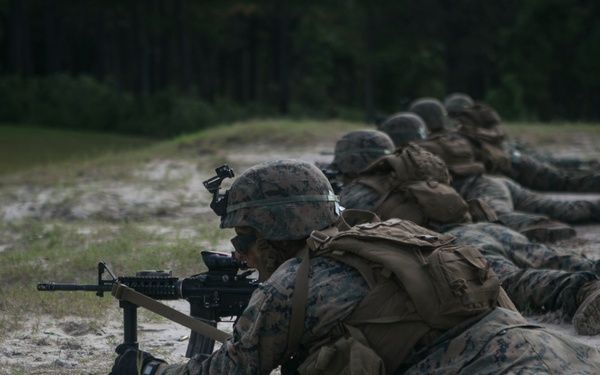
(281, 199)
(432, 111)
(359, 148)
(458, 101)
(404, 127)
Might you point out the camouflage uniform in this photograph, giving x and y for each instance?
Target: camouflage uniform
(482, 125)
(518, 208)
(504, 343)
(458, 102)
(570, 164)
(543, 176)
(534, 276)
(260, 337)
(511, 201)
(358, 196)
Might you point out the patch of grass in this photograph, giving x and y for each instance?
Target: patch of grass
(280, 132)
(208, 148)
(69, 252)
(23, 147)
(554, 133)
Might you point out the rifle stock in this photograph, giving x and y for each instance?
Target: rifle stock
(218, 293)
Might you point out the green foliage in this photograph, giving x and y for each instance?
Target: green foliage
(16, 94)
(78, 103)
(167, 113)
(63, 101)
(86, 104)
(508, 99)
(551, 52)
(187, 65)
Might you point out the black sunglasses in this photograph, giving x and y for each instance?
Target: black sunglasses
(243, 242)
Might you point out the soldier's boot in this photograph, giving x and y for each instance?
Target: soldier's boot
(548, 231)
(586, 320)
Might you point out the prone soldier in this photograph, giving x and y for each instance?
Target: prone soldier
(457, 102)
(334, 309)
(538, 216)
(535, 276)
(482, 126)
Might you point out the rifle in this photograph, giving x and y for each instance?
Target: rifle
(332, 176)
(220, 292)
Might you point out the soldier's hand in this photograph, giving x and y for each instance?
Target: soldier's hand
(133, 361)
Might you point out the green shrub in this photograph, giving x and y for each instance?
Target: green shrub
(508, 99)
(83, 103)
(168, 114)
(16, 94)
(80, 102)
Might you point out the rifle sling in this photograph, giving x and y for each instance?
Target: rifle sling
(122, 292)
(298, 305)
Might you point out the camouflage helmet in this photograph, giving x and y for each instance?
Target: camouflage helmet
(359, 148)
(458, 101)
(404, 127)
(432, 111)
(282, 199)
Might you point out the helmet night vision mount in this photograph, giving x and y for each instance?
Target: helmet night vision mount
(213, 185)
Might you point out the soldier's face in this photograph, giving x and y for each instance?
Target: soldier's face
(245, 239)
(246, 249)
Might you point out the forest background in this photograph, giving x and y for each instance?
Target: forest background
(162, 68)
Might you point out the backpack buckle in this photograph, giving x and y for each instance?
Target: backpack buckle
(319, 237)
(316, 240)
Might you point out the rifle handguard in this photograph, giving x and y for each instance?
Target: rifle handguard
(124, 293)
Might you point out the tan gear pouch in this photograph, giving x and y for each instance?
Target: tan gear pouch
(480, 210)
(495, 158)
(439, 202)
(345, 356)
(464, 280)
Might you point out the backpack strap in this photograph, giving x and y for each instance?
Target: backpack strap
(298, 305)
(301, 283)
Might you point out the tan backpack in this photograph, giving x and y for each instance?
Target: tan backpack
(446, 282)
(483, 127)
(420, 283)
(456, 151)
(413, 185)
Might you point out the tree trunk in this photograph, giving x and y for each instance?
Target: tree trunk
(18, 50)
(369, 99)
(51, 45)
(184, 47)
(252, 58)
(284, 89)
(142, 84)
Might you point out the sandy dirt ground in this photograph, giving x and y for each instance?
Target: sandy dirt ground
(76, 346)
